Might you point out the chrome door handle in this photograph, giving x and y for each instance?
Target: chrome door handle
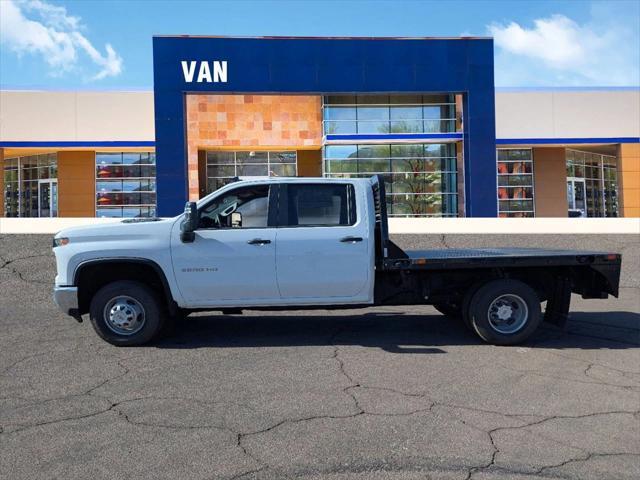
(258, 241)
(351, 239)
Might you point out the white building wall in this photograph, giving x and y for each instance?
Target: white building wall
(128, 116)
(568, 114)
(76, 116)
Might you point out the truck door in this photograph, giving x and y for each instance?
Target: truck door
(232, 259)
(323, 251)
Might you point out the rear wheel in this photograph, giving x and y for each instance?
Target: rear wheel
(504, 312)
(127, 313)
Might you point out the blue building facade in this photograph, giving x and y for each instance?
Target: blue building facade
(420, 111)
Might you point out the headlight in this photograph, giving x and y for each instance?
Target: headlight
(60, 242)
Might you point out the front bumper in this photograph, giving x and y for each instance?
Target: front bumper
(67, 300)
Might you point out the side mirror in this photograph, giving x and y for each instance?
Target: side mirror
(189, 223)
(236, 220)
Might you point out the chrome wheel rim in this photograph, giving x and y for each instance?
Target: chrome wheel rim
(508, 314)
(124, 315)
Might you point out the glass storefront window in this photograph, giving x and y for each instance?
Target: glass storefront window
(224, 166)
(405, 113)
(380, 114)
(420, 179)
(596, 174)
(30, 186)
(125, 184)
(515, 182)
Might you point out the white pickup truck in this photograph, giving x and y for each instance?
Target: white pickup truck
(296, 243)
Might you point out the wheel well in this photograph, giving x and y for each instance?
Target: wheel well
(91, 277)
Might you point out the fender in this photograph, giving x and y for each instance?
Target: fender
(171, 303)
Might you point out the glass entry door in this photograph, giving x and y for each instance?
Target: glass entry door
(576, 197)
(48, 198)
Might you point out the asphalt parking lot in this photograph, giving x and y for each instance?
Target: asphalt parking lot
(388, 393)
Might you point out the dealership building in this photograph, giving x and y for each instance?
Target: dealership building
(423, 113)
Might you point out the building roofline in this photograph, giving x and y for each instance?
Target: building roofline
(150, 89)
(279, 37)
(75, 90)
(602, 88)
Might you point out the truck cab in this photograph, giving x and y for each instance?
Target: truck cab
(276, 243)
(265, 242)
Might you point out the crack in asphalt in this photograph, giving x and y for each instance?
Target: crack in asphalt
(537, 373)
(341, 369)
(21, 428)
(11, 260)
(542, 469)
(125, 371)
(443, 241)
(586, 458)
(20, 274)
(632, 375)
(11, 366)
(590, 362)
(392, 390)
(128, 419)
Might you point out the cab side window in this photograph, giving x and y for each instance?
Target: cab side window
(244, 207)
(320, 205)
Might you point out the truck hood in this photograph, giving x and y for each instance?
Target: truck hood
(129, 229)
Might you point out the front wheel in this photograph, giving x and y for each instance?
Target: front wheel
(126, 313)
(504, 312)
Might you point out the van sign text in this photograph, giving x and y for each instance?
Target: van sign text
(207, 72)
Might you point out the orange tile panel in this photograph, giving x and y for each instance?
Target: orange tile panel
(250, 121)
(630, 179)
(630, 149)
(629, 164)
(631, 199)
(76, 183)
(632, 212)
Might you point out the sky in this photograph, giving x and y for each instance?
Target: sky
(106, 45)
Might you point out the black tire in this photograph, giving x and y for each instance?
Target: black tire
(521, 303)
(449, 310)
(154, 315)
(466, 301)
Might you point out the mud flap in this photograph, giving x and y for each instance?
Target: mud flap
(557, 311)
